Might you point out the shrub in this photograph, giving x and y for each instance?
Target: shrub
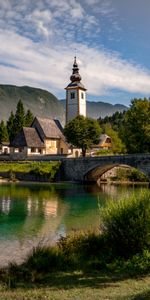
(44, 259)
(130, 174)
(136, 175)
(126, 224)
(104, 152)
(139, 264)
(47, 170)
(84, 250)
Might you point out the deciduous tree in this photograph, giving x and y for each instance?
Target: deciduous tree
(136, 129)
(117, 145)
(82, 132)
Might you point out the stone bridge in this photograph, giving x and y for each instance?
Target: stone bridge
(91, 168)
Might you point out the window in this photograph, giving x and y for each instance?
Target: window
(72, 95)
(17, 150)
(33, 150)
(108, 140)
(82, 95)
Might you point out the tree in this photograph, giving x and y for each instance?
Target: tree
(3, 132)
(82, 132)
(29, 118)
(116, 120)
(19, 120)
(10, 126)
(117, 144)
(136, 128)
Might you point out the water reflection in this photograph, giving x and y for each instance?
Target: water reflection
(5, 205)
(30, 213)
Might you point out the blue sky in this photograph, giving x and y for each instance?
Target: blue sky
(38, 39)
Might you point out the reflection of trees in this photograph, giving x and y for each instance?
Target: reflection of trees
(82, 212)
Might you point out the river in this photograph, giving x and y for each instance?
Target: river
(33, 213)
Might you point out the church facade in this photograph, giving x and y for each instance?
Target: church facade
(75, 95)
(45, 136)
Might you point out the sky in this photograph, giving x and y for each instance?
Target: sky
(111, 39)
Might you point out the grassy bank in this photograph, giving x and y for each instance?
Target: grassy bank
(113, 263)
(79, 286)
(37, 169)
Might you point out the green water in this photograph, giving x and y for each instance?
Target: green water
(40, 213)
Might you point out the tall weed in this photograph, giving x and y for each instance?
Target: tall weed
(126, 224)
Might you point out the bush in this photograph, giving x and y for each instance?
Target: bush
(136, 175)
(126, 224)
(46, 170)
(104, 152)
(131, 174)
(139, 264)
(84, 250)
(44, 259)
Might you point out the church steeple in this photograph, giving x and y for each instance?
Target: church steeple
(75, 72)
(75, 95)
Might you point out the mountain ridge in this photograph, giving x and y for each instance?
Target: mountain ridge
(44, 104)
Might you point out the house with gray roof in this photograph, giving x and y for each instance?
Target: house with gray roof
(51, 133)
(44, 137)
(27, 142)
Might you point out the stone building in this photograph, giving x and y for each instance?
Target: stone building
(51, 133)
(105, 143)
(75, 95)
(4, 148)
(27, 142)
(44, 137)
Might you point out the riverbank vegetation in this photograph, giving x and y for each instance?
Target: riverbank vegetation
(129, 130)
(130, 175)
(37, 169)
(117, 253)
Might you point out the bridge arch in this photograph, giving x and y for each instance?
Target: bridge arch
(97, 172)
(83, 168)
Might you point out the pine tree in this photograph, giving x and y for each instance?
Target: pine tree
(29, 118)
(3, 132)
(10, 127)
(19, 120)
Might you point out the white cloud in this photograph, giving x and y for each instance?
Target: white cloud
(38, 42)
(50, 67)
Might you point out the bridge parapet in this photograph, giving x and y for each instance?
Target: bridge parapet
(75, 169)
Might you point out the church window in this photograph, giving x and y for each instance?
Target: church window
(82, 95)
(72, 95)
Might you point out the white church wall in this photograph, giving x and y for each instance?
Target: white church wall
(82, 103)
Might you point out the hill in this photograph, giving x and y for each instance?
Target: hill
(101, 109)
(44, 104)
(40, 102)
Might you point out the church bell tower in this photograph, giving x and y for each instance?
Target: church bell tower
(75, 95)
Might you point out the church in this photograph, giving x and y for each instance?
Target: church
(45, 136)
(75, 95)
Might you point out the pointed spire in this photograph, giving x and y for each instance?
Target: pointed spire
(75, 72)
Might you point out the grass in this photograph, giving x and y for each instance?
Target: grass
(85, 265)
(80, 286)
(48, 169)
